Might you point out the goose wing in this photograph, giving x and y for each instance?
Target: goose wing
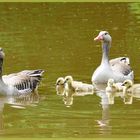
(121, 65)
(121, 68)
(124, 60)
(24, 81)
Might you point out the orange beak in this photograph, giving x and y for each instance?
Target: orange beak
(98, 38)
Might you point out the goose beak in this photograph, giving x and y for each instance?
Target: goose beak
(98, 38)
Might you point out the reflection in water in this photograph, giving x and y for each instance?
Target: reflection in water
(58, 37)
(69, 96)
(128, 99)
(68, 88)
(18, 102)
(104, 122)
(29, 99)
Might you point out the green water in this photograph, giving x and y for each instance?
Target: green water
(58, 37)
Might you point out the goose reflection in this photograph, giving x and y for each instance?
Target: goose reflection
(130, 91)
(113, 90)
(69, 95)
(18, 102)
(103, 123)
(68, 88)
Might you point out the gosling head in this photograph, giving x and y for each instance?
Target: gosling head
(110, 82)
(103, 36)
(127, 83)
(68, 79)
(60, 81)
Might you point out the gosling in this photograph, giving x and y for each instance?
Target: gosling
(76, 86)
(111, 90)
(130, 88)
(60, 86)
(114, 87)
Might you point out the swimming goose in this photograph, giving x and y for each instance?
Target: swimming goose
(112, 90)
(60, 86)
(18, 83)
(117, 69)
(114, 87)
(76, 86)
(130, 88)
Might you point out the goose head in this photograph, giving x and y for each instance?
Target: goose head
(68, 79)
(127, 83)
(103, 36)
(60, 81)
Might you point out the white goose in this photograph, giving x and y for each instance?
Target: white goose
(117, 69)
(18, 83)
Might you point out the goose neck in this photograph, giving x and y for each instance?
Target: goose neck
(105, 53)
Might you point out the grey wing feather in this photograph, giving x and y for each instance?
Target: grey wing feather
(24, 80)
(124, 60)
(122, 68)
(121, 65)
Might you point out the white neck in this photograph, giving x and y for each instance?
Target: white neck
(105, 53)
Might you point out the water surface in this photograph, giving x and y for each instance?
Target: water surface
(58, 37)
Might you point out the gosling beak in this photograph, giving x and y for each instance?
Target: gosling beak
(122, 84)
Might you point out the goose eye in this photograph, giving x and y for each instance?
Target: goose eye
(106, 33)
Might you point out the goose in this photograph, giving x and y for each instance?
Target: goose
(118, 69)
(60, 86)
(111, 87)
(130, 88)
(114, 87)
(77, 86)
(112, 90)
(18, 83)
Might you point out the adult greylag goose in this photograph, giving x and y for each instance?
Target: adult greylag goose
(77, 86)
(18, 83)
(118, 69)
